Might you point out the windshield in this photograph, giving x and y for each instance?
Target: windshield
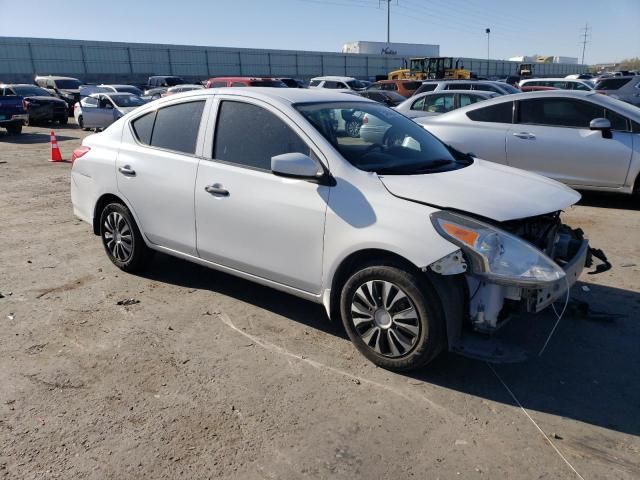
(128, 89)
(375, 138)
(510, 88)
(356, 85)
(127, 100)
(268, 83)
(31, 92)
(69, 84)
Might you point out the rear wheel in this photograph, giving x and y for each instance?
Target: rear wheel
(393, 316)
(121, 238)
(14, 129)
(81, 122)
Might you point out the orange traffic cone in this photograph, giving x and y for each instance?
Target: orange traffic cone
(55, 151)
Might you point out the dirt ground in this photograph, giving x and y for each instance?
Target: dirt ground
(209, 376)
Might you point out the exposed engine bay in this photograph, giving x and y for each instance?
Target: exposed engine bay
(492, 304)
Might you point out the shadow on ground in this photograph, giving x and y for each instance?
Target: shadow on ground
(610, 200)
(589, 371)
(27, 138)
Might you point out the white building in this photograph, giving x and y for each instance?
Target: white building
(396, 49)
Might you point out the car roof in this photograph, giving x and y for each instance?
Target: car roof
(282, 96)
(55, 77)
(242, 78)
(116, 85)
(113, 94)
(553, 79)
(333, 78)
(20, 85)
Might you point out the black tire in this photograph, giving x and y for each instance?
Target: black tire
(63, 120)
(80, 122)
(131, 252)
(14, 129)
(426, 343)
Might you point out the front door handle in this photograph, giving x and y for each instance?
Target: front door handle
(127, 170)
(524, 135)
(217, 190)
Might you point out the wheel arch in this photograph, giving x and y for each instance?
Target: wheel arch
(104, 200)
(349, 264)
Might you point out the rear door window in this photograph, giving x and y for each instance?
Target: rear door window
(176, 127)
(218, 84)
(428, 87)
(270, 136)
(439, 103)
(499, 113)
(466, 99)
(558, 112)
(314, 83)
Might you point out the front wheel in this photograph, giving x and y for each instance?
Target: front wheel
(393, 316)
(121, 238)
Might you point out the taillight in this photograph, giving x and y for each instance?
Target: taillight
(79, 152)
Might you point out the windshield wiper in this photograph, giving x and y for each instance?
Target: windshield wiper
(405, 170)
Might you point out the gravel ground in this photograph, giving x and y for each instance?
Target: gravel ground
(209, 376)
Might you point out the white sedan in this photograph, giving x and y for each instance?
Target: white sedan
(409, 244)
(428, 104)
(583, 139)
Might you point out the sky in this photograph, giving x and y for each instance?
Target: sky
(546, 27)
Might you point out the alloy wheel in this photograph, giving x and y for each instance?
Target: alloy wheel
(118, 237)
(385, 318)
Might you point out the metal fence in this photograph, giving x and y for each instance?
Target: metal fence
(92, 61)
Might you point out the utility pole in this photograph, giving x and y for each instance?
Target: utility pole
(585, 36)
(388, 18)
(488, 32)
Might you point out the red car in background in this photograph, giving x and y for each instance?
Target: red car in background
(218, 82)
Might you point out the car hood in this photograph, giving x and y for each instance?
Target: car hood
(45, 99)
(486, 189)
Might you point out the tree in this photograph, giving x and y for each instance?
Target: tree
(629, 64)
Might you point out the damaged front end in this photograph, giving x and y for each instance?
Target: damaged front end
(510, 267)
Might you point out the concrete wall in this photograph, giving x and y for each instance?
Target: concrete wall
(110, 62)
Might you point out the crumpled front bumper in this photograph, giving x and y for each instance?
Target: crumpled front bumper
(550, 293)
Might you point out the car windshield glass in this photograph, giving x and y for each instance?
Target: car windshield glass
(68, 84)
(356, 85)
(268, 83)
(31, 92)
(375, 138)
(129, 89)
(127, 100)
(510, 88)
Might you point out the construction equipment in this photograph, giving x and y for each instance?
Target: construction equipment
(431, 68)
(525, 70)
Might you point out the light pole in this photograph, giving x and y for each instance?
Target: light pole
(488, 32)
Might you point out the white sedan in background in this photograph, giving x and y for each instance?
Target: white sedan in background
(99, 110)
(583, 139)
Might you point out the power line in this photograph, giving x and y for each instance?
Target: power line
(585, 35)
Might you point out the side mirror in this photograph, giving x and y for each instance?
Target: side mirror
(603, 125)
(296, 165)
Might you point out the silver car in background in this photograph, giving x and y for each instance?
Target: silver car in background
(435, 103)
(626, 88)
(99, 110)
(583, 139)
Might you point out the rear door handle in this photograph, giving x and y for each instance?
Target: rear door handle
(524, 135)
(127, 170)
(217, 190)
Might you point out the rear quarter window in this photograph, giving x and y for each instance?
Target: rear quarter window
(499, 113)
(612, 83)
(143, 127)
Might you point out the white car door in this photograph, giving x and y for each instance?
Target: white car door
(481, 131)
(156, 170)
(249, 219)
(89, 106)
(552, 138)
